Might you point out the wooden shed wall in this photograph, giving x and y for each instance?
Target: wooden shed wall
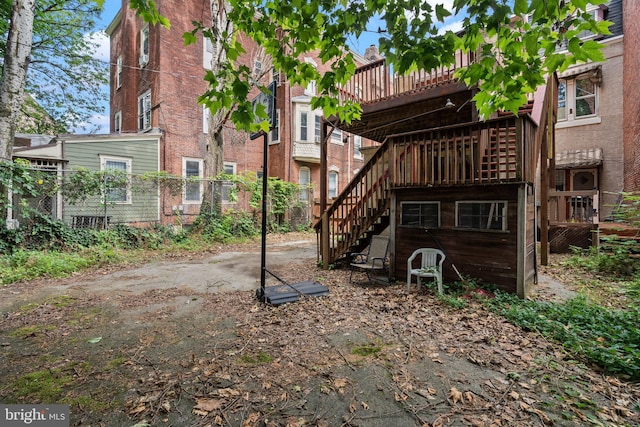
(487, 255)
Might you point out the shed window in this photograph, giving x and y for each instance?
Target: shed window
(490, 215)
(420, 214)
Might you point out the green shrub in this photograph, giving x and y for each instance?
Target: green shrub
(609, 338)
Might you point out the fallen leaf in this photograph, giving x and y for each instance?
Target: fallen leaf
(455, 395)
(364, 406)
(352, 407)
(94, 340)
(207, 405)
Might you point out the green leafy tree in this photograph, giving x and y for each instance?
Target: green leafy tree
(515, 54)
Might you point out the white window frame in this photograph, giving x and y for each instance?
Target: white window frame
(357, 145)
(274, 134)
(570, 117)
(229, 168)
(207, 52)
(302, 132)
(304, 171)
(332, 188)
(117, 122)
(498, 211)
(200, 162)
(119, 68)
(205, 119)
(144, 111)
(421, 217)
(128, 168)
(317, 128)
(144, 45)
(336, 137)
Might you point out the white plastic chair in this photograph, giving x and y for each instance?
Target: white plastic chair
(431, 261)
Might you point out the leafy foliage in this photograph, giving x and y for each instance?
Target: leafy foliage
(608, 338)
(514, 54)
(63, 74)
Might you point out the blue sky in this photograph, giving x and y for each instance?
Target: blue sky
(111, 7)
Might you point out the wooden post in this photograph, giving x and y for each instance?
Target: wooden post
(521, 239)
(544, 202)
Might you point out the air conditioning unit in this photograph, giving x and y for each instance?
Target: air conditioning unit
(144, 59)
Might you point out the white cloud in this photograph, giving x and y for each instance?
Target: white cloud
(454, 26)
(98, 123)
(101, 40)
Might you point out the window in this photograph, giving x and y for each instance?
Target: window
(420, 214)
(333, 185)
(119, 72)
(303, 126)
(257, 68)
(577, 99)
(117, 122)
(192, 172)
(205, 119)
(311, 88)
(144, 45)
(318, 128)
(490, 215)
(274, 135)
(357, 145)
(562, 100)
(228, 186)
(585, 97)
(117, 171)
(207, 53)
(336, 136)
(304, 179)
(144, 111)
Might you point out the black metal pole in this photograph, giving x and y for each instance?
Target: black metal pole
(265, 176)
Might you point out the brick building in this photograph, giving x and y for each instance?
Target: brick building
(155, 84)
(590, 153)
(631, 101)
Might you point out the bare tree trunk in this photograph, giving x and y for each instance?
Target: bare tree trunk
(16, 61)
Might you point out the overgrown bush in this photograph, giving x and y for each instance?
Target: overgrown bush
(231, 224)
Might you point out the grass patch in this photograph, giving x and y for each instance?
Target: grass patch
(41, 386)
(114, 363)
(29, 331)
(255, 359)
(367, 350)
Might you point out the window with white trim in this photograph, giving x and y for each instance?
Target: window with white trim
(336, 136)
(577, 98)
(317, 128)
(119, 72)
(357, 145)
(117, 122)
(144, 45)
(304, 179)
(117, 171)
(274, 135)
(482, 215)
(303, 126)
(144, 111)
(420, 214)
(228, 186)
(205, 119)
(207, 53)
(192, 172)
(333, 184)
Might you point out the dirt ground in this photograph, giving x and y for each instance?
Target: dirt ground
(184, 342)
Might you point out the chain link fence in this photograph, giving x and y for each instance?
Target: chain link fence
(99, 199)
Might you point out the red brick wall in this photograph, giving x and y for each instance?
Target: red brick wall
(631, 101)
(175, 76)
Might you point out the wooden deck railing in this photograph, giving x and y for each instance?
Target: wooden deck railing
(375, 81)
(573, 207)
(474, 153)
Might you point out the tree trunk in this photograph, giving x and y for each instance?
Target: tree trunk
(16, 61)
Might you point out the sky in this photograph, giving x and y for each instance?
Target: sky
(111, 8)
